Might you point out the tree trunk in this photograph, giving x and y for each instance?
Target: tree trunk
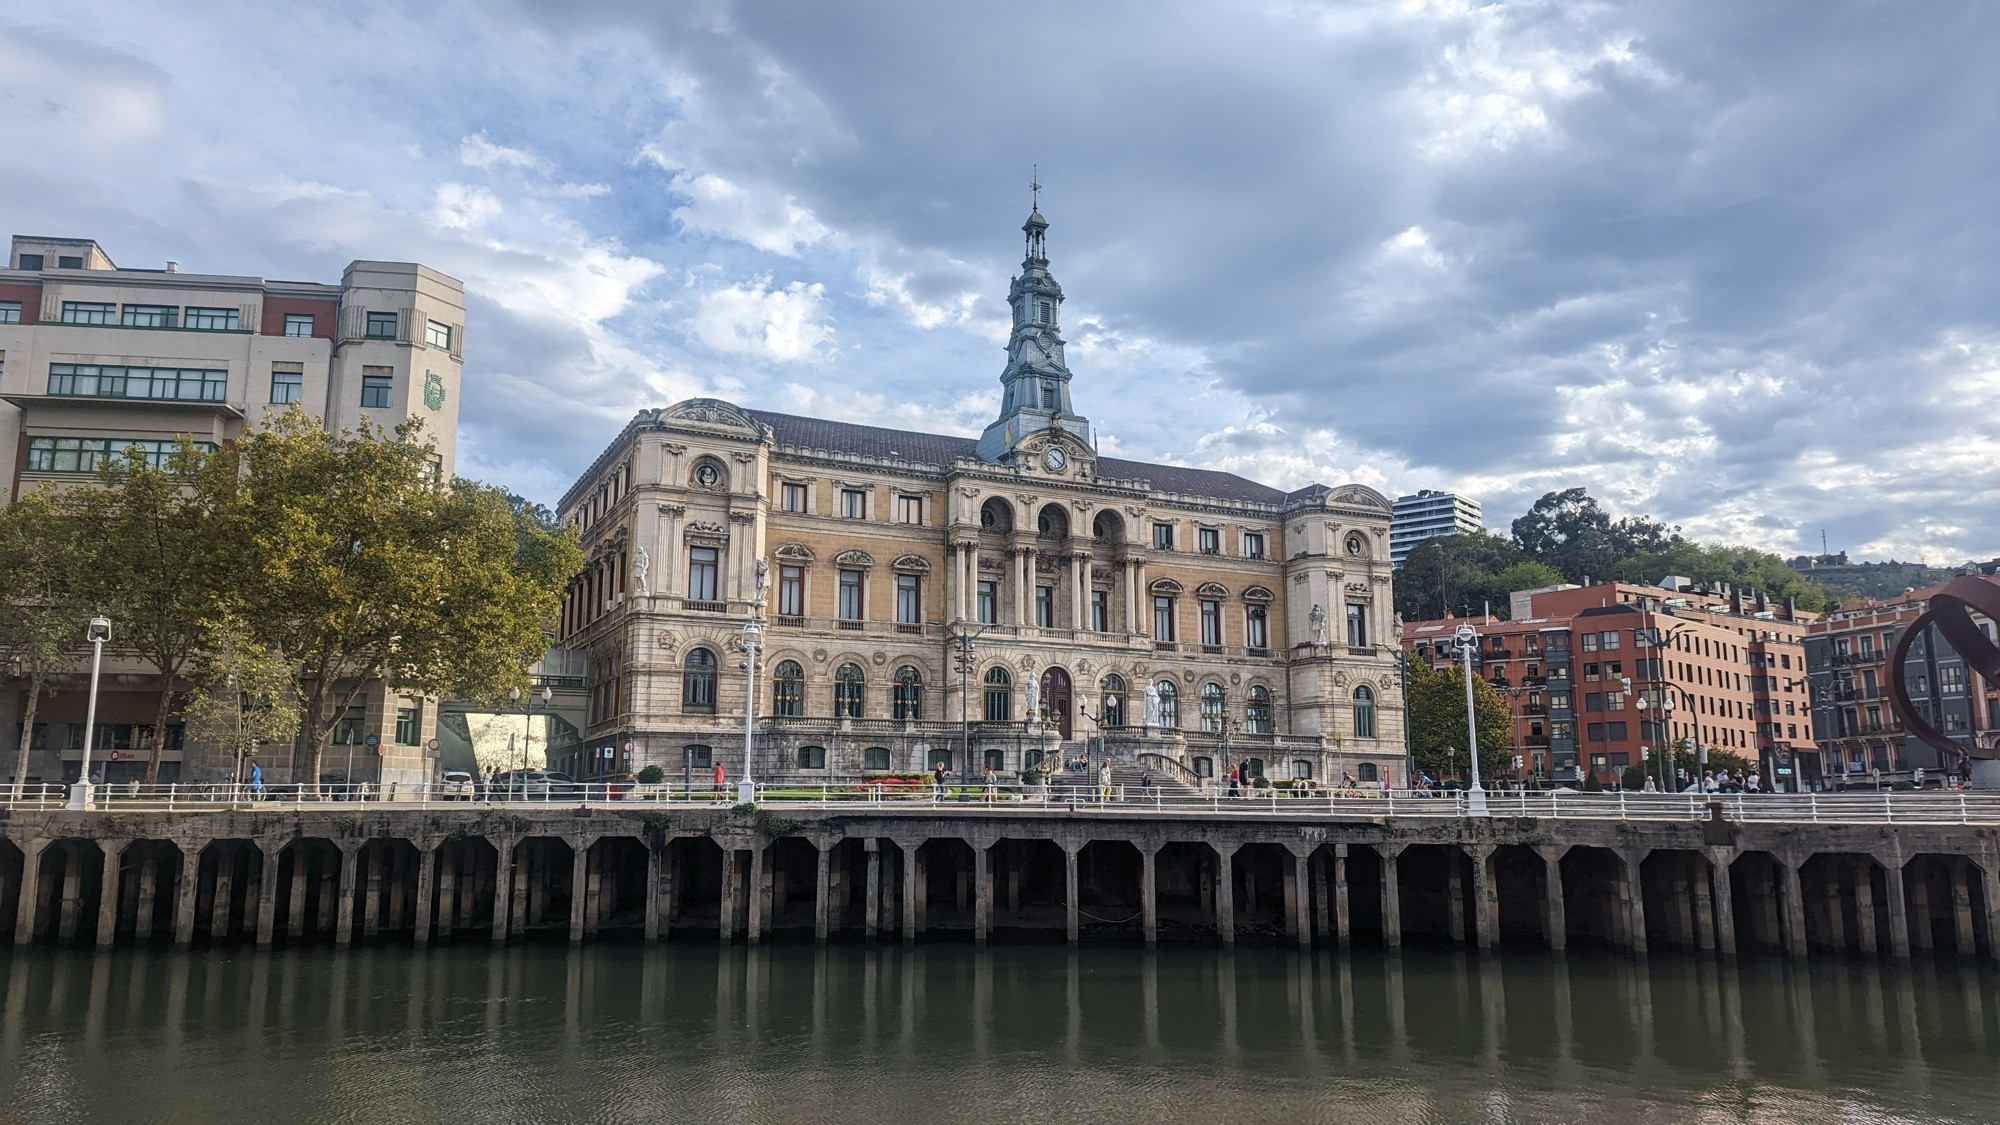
(306, 744)
(28, 728)
(159, 732)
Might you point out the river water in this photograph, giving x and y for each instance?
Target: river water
(949, 1033)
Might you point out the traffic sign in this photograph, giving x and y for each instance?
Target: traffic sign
(631, 746)
(373, 740)
(431, 745)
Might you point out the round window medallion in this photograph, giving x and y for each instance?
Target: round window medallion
(706, 476)
(1356, 544)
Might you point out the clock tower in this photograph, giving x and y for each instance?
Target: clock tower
(1035, 382)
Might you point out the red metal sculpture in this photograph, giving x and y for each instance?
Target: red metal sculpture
(1951, 611)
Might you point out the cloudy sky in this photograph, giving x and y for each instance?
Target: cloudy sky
(1731, 264)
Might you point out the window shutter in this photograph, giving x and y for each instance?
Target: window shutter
(406, 326)
(458, 341)
(353, 322)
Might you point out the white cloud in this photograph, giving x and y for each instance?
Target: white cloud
(475, 151)
(783, 325)
(465, 207)
(770, 222)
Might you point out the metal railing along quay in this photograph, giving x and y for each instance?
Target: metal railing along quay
(960, 798)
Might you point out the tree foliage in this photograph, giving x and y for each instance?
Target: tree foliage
(244, 692)
(43, 615)
(1437, 721)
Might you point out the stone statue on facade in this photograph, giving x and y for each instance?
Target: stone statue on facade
(1318, 619)
(641, 562)
(1152, 717)
(1033, 692)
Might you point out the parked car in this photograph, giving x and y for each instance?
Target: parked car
(455, 785)
(533, 785)
(334, 786)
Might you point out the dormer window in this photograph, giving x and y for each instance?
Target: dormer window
(1045, 312)
(1048, 396)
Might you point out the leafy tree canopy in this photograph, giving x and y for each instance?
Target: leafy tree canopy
(1437, 722)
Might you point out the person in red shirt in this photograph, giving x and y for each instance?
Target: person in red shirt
(720, 777)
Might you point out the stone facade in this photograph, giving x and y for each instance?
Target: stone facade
(1258, 621)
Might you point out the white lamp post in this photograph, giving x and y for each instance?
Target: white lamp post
(1475, 797)
(98, 633)
(753, 636)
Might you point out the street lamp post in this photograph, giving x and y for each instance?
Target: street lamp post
(1475, 797)
(752, 643)
(98, 633)
(963, 660)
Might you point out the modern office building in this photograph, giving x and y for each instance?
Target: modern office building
(1177, 618)
(1426, 514)
(96, 358)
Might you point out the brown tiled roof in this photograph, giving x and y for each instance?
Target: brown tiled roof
(794, 431)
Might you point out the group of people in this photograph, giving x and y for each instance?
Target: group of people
(1714, 781)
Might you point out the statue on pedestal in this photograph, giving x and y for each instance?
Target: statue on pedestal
(641, 563)
(1318, 619)
(1152, 716)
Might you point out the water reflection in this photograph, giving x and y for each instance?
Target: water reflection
(949, 1032)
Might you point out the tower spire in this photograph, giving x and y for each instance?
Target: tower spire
(1035, 381)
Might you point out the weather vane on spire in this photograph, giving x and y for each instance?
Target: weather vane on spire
(1034, 187)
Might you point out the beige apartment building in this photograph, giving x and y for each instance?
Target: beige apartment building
(96, 358)
(1177, 619)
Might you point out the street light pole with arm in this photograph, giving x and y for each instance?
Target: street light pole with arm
(1467, 640)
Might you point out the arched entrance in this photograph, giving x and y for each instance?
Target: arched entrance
(1055, 699)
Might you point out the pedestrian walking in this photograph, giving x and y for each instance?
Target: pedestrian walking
(938, 775)
(1104, 781)
(1146, 783)
(256, 782)
(1235, 780)
(720, 778)
(992, 791)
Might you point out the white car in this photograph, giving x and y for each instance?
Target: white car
(455, 785)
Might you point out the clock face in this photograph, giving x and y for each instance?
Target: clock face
(1054, 459)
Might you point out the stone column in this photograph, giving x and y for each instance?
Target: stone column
(1704, 905)
(1149, 893)
(1899, 911)
(1392, 896)
(1071, 889)
(448, 918)
(871, 897)
(1864, 907)
(1555, 919)
(1795, 911)
(1142, 619)
(350, 859)
(1635, 898)
(503, 887)
(753, 931)
(267, 893)
(184, 893)
(142, 920)
(295, 910)
(650, 908)
(579, 887)
(822, 899)
(1343, 927)
(1923, 933)
(1454, 901)
(727, 932)
(1131, 584)
(1080, 599)
(31, 878)
(981, 895)
(371, 895)
(1302, 898)
(1485, 897)
(1024, 585)
(909, 892)
(107, 894)
(1990, 874)
(1225, 893)
(1961, 908)
(1725, 901)
(1836, 928)
(426, 868)
(71, 902)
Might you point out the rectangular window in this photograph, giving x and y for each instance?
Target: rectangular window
(84, 455)
(1253, 545)
(31, 261)
(850, 595)
(10, 312)
(1045, 606)
(298, 324)
(88, 312)
(287, 383)
(1048, 396)
(703, 562)
(792, 497)
(909, 509)
(1610, 640)
(1209, 541)
(1163, 537)
(1594, 731)
(1163, 618)
(792, 591)
(1357, 626)
(1100, 611)
(988, 609)
(1211, 622)
(210, 320)
(853, 503)
(381, 326)
(909, 600)
(1614, 732)
(1256, 627)
(375, 389)
(1593, 701)
(69, 261)
(149, 316)
(1587, 642)
(408, 723)
(438, 335)
(181, 384)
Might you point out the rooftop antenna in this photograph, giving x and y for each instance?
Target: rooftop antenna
(1034, 187)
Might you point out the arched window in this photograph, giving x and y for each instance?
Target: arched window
(788, 689)
(875, 758)
(1113, 702)
(812, 757)
(1211, 707)
(909, 694)
(999, 696)
(698, 682)
(1170, 703)
(1204, 767)
(1368, 773)
(1364, 712)
(1257, 714)
(847, 684)
(995, 760)
(1302, 770)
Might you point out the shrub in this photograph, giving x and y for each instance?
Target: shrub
(652, 775)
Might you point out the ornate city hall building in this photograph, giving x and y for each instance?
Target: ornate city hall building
(1004, 601)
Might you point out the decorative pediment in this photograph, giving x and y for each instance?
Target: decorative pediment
(1258, 594)
(911, 564)
(793, 553)
(1211, 590)
(712, 413)
(1359, 496)
(854, 559)
(708, 530)
(1164, 586)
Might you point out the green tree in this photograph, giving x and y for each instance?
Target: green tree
(43, 553)
(1454, 574)
(1570, 532)
(163, 564)
(244, 694)
(366, 568)
(1437, 721)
